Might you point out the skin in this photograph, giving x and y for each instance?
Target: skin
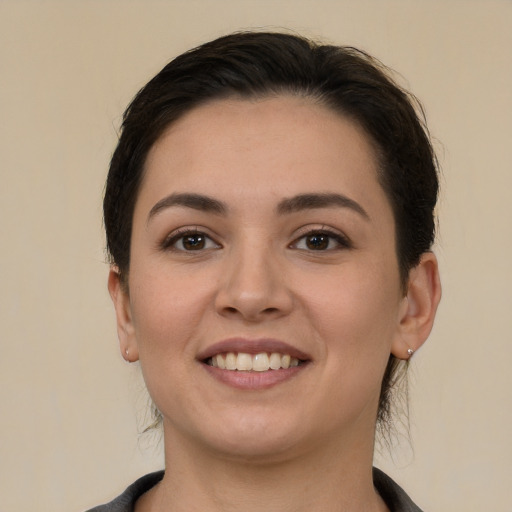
(308, 440)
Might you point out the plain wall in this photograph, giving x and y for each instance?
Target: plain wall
(71, 408)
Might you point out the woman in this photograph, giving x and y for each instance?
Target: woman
(269, 216)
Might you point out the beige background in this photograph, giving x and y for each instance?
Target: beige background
(69, 405)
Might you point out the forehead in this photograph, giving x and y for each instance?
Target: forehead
(271, 146)
(244, 122)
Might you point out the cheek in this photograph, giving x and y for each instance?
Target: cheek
(166, 315)
(356, 312)
(166, 312)
(351, 316)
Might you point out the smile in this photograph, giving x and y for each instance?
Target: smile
(253, 364)
(261, 362)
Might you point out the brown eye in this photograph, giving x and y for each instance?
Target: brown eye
(193, 242)
(189, 241)
(321, 241)
(317, 242)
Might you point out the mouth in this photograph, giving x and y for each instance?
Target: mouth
(262, 362)
(253, 364)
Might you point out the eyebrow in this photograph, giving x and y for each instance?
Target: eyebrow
(194, 201)
(286, 206)
(313, 201)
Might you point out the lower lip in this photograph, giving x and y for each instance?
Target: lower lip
(254, 380)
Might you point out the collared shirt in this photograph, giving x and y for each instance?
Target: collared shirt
(393, 495)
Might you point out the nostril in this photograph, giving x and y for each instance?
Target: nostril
(251, 314)
(253, 304)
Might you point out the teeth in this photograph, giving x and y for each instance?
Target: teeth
(220, 362)
(230, 361)
(243, 361)
(275, 361)
(247, 362)
(260, 363)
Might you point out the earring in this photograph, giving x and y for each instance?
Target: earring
(127, 356)
(410, 352)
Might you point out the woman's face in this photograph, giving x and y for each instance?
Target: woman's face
(262, 239)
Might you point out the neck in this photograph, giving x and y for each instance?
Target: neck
(333, 476)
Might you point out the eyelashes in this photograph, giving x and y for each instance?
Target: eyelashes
(196, 240)
(189, 240)
(320, 240)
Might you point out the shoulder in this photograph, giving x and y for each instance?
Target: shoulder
(126, 501)
(393, 495)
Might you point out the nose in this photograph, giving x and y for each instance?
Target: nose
(254, 285)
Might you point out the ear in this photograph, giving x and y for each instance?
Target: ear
(418, 308)
(125, 330)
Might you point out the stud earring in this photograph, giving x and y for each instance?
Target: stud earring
(410, 352)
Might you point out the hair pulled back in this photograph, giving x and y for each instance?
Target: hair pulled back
(261, 64)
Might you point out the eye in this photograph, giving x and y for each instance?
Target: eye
(189, 241)
(321, 240)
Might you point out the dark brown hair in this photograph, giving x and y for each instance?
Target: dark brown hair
(259, 64)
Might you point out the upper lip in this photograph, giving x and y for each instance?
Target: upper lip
(252, 346)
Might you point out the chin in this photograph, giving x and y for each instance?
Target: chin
(257, 450)
(252, 439)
